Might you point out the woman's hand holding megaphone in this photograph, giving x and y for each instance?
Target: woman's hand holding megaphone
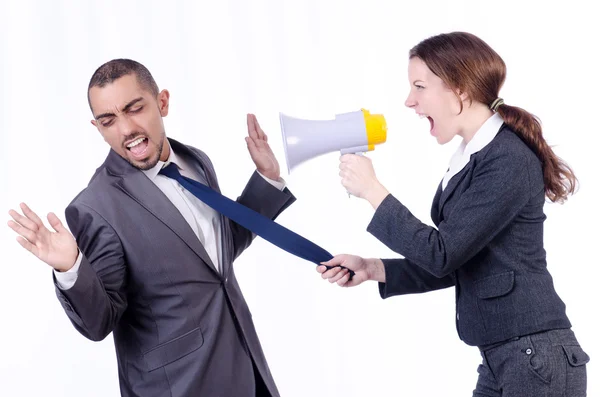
(359, 179)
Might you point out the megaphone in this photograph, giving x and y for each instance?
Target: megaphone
(353, 132)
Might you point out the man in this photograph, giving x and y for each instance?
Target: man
(152, 263)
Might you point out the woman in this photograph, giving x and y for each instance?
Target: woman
(488, 210)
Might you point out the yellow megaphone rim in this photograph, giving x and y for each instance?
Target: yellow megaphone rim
(376, 128)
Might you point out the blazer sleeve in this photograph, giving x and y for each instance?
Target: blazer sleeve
(498, 190)
(402, 277)
(96, 301)
(263, 198)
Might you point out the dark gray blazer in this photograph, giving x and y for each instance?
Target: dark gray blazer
(180, 328)
(488, 244)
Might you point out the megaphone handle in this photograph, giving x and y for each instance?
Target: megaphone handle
(359, 154)
(351, 271)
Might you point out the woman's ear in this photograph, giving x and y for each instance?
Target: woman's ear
(462, 95)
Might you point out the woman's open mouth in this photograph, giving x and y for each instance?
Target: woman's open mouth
(431, 122)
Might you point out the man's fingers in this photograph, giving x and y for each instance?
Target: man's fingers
(27, 245)
(259, 131)
(56, 223)
(257, 144)
(250, 142)
(20, 219)
(31, 215)
(251, 126)
(23, 231)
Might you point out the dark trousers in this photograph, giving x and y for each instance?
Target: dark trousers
(545, 364)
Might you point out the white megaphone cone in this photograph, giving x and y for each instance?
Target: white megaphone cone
(354, 132)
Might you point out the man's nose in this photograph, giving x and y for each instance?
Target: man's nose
(126, 126)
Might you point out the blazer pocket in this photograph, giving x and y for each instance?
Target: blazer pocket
(494, 286)
(575, 355)
(174, 349)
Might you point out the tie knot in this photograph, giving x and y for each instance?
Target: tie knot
(170, 170)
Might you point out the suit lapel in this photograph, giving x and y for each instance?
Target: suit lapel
(200, 164)
(451, 186)
(435, 206)
(137, 186)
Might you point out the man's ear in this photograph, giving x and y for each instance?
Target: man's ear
(95, 124)
(163, 102)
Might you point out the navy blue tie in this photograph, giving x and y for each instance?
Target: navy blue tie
(252, 220)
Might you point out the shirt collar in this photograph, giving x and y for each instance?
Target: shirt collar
(486, 133)
(173, 158)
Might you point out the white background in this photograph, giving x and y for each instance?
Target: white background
(311, 59)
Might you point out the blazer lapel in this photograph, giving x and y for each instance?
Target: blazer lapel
(451, 186)
(435, 206)
(137, 186)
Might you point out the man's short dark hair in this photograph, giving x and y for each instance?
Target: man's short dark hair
(112, 70)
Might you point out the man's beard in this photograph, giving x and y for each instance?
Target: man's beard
(145, 165)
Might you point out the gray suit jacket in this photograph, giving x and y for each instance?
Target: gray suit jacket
(180, 328)
(488, 244)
